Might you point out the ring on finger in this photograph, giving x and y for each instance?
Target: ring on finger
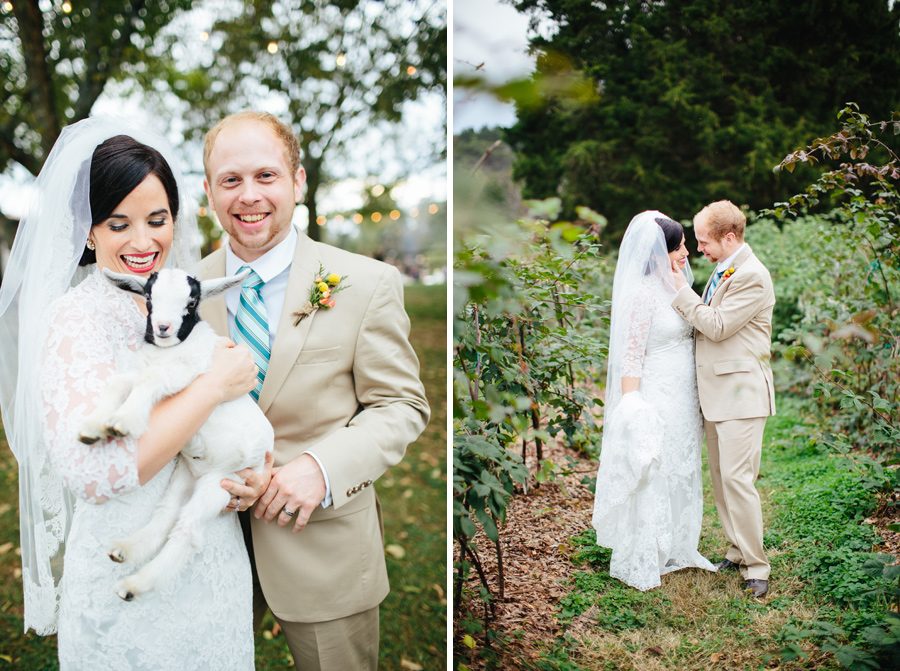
(288, 512)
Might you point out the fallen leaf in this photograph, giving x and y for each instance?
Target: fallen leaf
(717, 657)
(276, 629)
(395, 551)
(656, 650)
(6, 547)
(468, 641)
(440, 590)
(410, 666)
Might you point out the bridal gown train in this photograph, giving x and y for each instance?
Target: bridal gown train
(648, 506)
(203, 618)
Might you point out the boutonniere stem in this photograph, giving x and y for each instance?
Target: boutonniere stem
(325, 286)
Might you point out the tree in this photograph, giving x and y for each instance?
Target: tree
(339, 68)
(698, 99)
(55, 61)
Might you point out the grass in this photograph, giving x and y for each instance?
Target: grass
(812, 508)
(413, 497)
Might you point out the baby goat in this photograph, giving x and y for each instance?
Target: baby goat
(178, 348)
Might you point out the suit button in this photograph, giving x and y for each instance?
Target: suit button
(350, 493)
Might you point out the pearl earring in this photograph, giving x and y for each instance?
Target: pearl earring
(90, 244)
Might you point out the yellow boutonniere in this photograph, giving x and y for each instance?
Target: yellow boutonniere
(728, 273)
(324, 287)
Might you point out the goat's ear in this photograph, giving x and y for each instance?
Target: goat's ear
(210, 288)
(131, 283)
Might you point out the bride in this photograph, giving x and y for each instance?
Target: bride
(648, 506)
(107, 198)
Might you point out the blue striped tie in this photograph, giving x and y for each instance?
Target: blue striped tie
(712, 286)
(251, 325)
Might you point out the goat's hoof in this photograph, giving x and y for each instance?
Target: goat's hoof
(124, 592)
(117, 431)
(88, 438)
(117, 554)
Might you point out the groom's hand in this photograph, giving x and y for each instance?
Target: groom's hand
(243, 496)
(296, 487)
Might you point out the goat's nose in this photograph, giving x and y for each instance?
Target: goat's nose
(163, 328)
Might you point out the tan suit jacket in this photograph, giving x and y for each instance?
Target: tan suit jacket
(344, 383)
(733, 342)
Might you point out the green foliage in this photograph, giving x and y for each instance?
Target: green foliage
(834, 335)
(695, 100)
(822, 505)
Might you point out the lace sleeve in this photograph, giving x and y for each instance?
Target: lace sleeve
(80, 354)
(639, 317)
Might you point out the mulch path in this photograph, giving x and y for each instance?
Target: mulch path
(888, 512)
(536, 551)
(536, 556)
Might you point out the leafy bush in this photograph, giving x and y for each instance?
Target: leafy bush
(528, 335)
(840, 282)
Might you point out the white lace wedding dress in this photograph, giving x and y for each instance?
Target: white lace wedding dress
(648, 506)
(203, 618)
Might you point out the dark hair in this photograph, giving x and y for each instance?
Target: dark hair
(118, 166)
(673, 231)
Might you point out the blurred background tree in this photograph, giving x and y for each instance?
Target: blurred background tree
(339, 69)
(697, 99)
(48, 80)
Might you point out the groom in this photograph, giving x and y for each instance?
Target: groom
(733, 323)
(339, 383)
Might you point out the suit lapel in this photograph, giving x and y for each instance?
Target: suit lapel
(736, 264)
(289, 339)
(214, 310)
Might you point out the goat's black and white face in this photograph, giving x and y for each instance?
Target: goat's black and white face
(173, 300)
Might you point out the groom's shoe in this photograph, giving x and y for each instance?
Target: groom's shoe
(756, 587)
(727, 565)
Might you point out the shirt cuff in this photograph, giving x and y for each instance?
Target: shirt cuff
(327, 500)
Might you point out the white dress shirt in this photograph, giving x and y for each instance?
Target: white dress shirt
(273, 268)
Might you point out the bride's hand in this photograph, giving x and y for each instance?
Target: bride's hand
(245, 495)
